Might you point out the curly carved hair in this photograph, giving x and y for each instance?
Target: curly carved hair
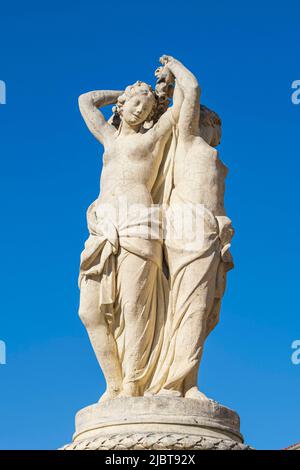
(210, 119)
(130, 91)
(160, 102)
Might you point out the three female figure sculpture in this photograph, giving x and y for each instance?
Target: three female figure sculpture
(148, 324)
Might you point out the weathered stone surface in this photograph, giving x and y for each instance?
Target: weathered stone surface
(147, 328)
(150, 293)
(157, 423)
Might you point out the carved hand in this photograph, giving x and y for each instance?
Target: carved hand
(165, 59)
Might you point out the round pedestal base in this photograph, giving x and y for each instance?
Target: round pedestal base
(158, 423)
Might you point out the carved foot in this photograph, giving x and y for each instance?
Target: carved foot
(130, 390)
(169, 393)
(195, 394)
(109, 395)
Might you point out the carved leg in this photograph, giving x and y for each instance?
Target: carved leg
(136, 280)
(192, 299)
(188, 352)
(102, 340)
(191, 389)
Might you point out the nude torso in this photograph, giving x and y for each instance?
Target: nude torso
(130, 167)
(199, 175)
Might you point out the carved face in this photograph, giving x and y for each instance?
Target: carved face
(137, 108)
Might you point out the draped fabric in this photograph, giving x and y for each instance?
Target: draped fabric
(121, 254)
(174, 315)
(162, 188)
(197, 283)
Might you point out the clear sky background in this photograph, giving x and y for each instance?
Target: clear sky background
(245, 57)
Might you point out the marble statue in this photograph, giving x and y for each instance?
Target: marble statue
(197, 274)
(150, 294)
(123, 288)
(135, 319)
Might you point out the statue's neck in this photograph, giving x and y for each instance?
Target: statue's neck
(126, 130)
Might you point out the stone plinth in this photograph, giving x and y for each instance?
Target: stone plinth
(158, 423)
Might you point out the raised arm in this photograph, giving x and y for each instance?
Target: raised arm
(188, 123)
(94, 119)
(169, 118)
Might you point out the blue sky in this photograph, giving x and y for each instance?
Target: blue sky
(245, 57)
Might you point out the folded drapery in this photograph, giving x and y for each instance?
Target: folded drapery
(124, 253)
(197, 281)
(138, 232)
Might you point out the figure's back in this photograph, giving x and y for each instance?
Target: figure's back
(199, 174)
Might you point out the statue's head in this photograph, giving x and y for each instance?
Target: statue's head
(137, 104)
(210, 126)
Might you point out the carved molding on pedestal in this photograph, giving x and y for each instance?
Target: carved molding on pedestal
(155, 441)
(157, 423)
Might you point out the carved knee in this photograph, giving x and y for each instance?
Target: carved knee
(90, 317)
(131, 310)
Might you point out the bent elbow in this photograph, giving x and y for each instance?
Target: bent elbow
(83, 100)
(194, 86)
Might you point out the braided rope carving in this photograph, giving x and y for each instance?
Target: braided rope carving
(155, 441)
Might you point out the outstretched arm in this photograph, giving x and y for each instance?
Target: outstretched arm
(94, 119)
(188, 123)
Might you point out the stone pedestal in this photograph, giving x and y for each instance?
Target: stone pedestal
(157, 423)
